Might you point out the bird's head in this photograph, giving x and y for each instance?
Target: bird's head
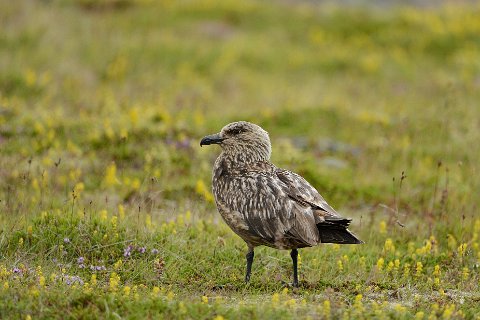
(242, 141)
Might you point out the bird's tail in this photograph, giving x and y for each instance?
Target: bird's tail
(334, 230)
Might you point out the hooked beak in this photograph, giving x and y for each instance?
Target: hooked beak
(211, 139)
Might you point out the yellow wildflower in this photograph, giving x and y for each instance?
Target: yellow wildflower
(34, 292)
(180, 220)
(396, 265)
(340, 265)
(114, 281)
(380, 264)
(41, 281)
(399, 308)
(201, 189)
(406, 270)
(358, 305)
(382, 227)
(326, 309)
(30, 77)
(79, 187)
(436, 271)
(419, 269)
(451, 241)
(411, 247)
(291, 303)
(93, 280)
(390, 266)
(113, 222)
(104, 215)
(448, 311)
(275, 298)
(363, 262)
(133, 114)
(110, 179)
(136, 184)
(388, 246)
(117, 264)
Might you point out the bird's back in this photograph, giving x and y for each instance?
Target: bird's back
(254, 202)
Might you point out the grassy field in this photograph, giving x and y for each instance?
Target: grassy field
(105, 202)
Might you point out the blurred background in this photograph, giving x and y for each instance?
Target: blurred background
(105, 102)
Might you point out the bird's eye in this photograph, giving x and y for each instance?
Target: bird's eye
(235, 131)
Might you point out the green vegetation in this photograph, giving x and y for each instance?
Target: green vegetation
(105, 202)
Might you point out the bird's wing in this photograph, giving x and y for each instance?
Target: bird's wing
(301, 191)
(269, 212)
(332, 227)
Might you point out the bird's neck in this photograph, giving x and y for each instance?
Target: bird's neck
(240, 159)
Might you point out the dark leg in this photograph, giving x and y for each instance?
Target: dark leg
(294, 255)
(249, 257)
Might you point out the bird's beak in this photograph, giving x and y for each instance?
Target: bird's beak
(211, 139)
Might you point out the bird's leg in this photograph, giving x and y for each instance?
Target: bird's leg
(294, 255)
(249, 257)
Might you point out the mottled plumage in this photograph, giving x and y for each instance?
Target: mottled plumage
(266, 205)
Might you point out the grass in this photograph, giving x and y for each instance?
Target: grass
(105, 202)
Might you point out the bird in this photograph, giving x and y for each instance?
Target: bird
(267, 205)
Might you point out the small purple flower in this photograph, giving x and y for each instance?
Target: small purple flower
(80, 260)
(155, 251)
(97, 268)
(69, 280)
(66, 240)
(127, 252)
(16, 270)
(142, 249)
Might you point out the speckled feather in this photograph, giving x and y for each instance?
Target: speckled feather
(263, 204)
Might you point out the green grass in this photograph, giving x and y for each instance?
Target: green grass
(103, 105)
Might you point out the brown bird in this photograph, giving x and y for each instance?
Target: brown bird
(266, 205)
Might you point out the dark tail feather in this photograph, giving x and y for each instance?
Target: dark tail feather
(334, 230)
